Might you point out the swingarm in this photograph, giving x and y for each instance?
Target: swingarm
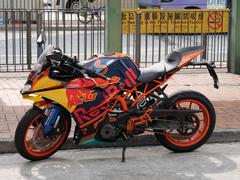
(161, 117)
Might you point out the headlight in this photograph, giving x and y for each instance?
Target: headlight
(26, 88)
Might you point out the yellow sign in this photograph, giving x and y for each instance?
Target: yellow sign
(176, 21)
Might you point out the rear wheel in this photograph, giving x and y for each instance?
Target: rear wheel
(197, 129)
(30, 140)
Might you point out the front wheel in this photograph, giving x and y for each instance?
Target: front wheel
(197, 129)
(30, 140)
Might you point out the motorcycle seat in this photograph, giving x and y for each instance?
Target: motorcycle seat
(189, 50)
(170, 63)
(152, 72)
(173, 59)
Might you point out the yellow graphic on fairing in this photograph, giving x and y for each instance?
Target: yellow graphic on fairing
(44, 82)
(59, 96)
(45, 87)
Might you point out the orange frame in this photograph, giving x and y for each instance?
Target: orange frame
(130, 92)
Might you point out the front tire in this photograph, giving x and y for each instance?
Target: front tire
(30, 141)
(184, 139)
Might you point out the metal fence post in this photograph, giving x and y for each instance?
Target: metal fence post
(29, 40)
(204, 56)
(229, 39)
(6, 37)
(85, 41)
(235, 38)
(113, 26)
(138, 39)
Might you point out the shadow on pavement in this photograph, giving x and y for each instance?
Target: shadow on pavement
(153, 165)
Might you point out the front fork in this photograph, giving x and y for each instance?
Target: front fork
(51, 118)
(52, 113)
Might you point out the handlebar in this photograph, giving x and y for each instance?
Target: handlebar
(62, 59)
(59, 57)
(90, 72)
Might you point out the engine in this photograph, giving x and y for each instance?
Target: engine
(114, 125)
(107, 132)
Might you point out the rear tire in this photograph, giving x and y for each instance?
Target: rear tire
(207, 124)
(28, 148)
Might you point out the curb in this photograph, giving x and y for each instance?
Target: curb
(219, 136)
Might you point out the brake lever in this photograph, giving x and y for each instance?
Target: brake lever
(96, 74)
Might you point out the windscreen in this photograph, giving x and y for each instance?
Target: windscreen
(40, 62)
(43, 58)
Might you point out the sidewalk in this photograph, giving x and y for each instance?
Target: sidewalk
(226, 99)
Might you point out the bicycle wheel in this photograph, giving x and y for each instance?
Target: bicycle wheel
(85, 15)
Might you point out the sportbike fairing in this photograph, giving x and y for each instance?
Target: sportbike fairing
(87, 99)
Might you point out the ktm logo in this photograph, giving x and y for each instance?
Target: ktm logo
(76, 97)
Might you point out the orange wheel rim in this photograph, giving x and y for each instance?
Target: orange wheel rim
(34, 134)
(200, 132)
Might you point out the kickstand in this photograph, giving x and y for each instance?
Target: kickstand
(124, 147)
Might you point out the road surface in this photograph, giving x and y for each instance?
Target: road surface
(210, 162)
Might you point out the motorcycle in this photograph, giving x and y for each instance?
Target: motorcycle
(111, 99)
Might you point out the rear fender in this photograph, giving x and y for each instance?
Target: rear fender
(189, 57)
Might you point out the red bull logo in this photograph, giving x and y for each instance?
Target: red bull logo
(76, 97)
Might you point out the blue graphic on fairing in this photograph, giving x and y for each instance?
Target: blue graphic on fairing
(122, 67)
(51, 119)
